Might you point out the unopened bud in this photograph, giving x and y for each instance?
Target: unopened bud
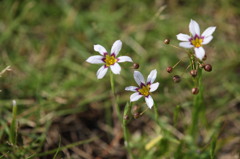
(176, 79)
(136, 115)
(195, 90)
(193, 73)
(126, 117)
(135, 108)
(135, 65)
(166, 41)
(208, 68)
(169, 69)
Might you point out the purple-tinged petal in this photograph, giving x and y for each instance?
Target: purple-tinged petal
(135, 96)
(131, 88)
(208, 32)
(183, 37)
(149, 101)
(97, 59)
(207, 40)
(138, 77)
(117, 45)
(152, 76)
(199, 52)
(116, 69)
(186, 45)
(194, 28)
(100, 49)
(154, 87)
(101, 72)
(124, 59)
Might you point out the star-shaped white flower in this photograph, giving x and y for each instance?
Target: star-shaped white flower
(196, 40)
(109, 60)
(144, 88)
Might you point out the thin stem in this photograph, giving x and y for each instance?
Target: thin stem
(156, 113)
(126, 114)
(197, 105)
(115, 105)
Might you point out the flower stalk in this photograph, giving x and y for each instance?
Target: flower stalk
(116, 110)
(126, 114)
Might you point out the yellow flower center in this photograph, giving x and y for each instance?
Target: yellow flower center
(145, 90)
(110, 60)
(197, 42)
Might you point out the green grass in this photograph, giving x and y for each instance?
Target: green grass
(63, 111)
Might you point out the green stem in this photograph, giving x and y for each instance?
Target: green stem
(13, 129)
(126, 117)
(197, 105)
(156, 113)
(115, 105)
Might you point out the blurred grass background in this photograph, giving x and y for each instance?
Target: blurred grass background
(61, 102)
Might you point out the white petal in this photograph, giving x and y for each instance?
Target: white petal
(152, 76)
(124, 59)
(115, 68)
(131, 88)
(97, 59)
(207, 40)
(100, 49)
(153, 87)
(185, 44)
(208, 31)
(117, 45)
(194, 28)
(199, 52)
(183, 37)
(138, 77)
(135, 96)
(101, 72)
(149, 101)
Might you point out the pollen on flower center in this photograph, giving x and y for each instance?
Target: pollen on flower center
(110, 60)
(197, 42)
(144, 90)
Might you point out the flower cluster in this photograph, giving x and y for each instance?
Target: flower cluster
(194, 43)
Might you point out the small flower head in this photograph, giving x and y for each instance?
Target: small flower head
(208, 67)
(193, 73)
(169, 69)
(109, 60)
(144, 89)
(166, 41)
(195, 90)
(135, 65)
(196, 40)
(176, 78)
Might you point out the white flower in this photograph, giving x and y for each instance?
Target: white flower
(109, 60)
(196, 40)
(144, 88)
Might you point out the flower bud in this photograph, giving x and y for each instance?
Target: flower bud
(176, 78)
(169, 69)
(135, 65)
(167, 41)
(126, 117)
(208, 68)
(135, 108)
(136, 115)
(195, 90)
(193, 73)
